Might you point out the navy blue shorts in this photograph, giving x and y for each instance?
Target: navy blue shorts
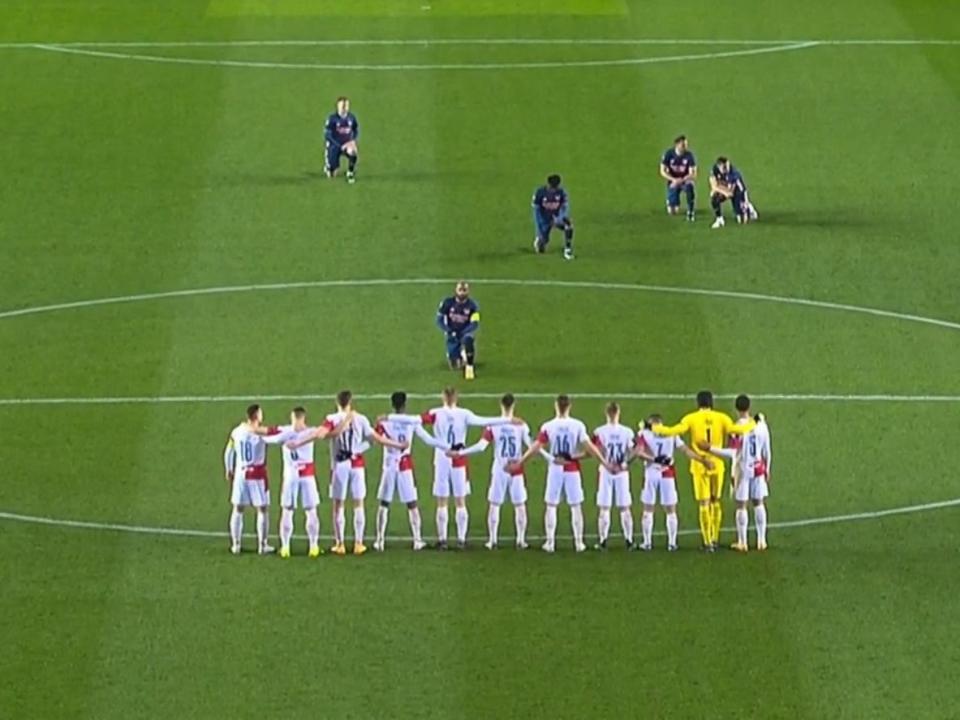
(545, 224)
(455, 345)
(673, 193)
(333, 154)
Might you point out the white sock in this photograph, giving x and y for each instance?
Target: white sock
(576, 522)
(626, 524)
(550, 523)
(442, 519)
(236, 527)
(463, 522)
(520, 518)
(359, 524)
(414, 515)
(313, 528)
(672, 528)
(493, 522)
(383, 514)
(646, 527)
(741, 517)
(286, 527)
(263, 527)
(603, 523)
(339, 524)
(760, 519)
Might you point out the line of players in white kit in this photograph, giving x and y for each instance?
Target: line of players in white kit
(562, 442)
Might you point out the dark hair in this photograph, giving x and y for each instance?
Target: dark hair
(612, 409)
(508, 400)
(654, 418)
(398, 400)
(342, 98)
(722, 160)
(553, 181)
(563, 402)
(705, 399)
(679, 139)
(344, 397)
(742, 403)
(252, 411)
(299, 411)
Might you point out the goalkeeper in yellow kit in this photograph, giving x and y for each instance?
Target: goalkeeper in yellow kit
(711, 426)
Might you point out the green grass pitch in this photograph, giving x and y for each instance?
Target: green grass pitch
(200, 168)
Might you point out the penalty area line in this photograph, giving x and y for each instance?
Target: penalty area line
(219, 534)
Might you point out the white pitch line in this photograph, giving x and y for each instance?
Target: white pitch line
(263, 64)
(507, 282)
(189, 532)
(427, 42)
(194, 399)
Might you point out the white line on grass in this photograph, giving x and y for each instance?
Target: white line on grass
(427, 42)
(173, 60)
(190, 399)
(189, 532)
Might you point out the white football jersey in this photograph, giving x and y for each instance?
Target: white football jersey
(615, 442)
(659, 445)
(402, 429)
(753, 458)
(450, 425)
(293, 460)
(509, 442)
(249, 448)
(563, 435)
(351, 440)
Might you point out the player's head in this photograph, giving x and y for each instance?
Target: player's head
(298, 416)
(344, 398)
(462, 290)
(343, 105)
(507, 403)
(553, 181)
(655, 419)
(563, 404)
(680, 143)
(723, 163)
(254, 413)
(450, 396)
(704, 399)
(613, 412)
(742, 403)
(398, 401)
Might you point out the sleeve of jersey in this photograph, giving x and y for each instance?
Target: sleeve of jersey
(728, 453)
(479, 420)
(328, 130)
(693, 160)
(669, 430)
(356, 129)
(229, 456)
(279, 437)
(441, 319)
(328, 425)
(542, 437)
(729, 426)
(477, 447)
(487, 434)
(768, 451)
(428, 418)
(428, 439)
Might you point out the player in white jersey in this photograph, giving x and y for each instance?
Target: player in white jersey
(245, 466)
(300, 476)
(508, 440)
(564, 437)
(450, 424)
(397, 477)
(751, 461)
(616, 442)
(348, 470)
(660, 479)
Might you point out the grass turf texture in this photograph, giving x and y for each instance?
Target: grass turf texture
(125, 177)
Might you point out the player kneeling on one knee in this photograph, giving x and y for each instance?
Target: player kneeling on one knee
(727, 183)
(341, 133)
(551, 209)
(458, 317)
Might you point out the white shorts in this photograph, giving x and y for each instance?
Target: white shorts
(449, 480)
(297, 491)
(250, 492)
(563, 484)
(663, 487)
(399, 482)
(501, 482)
(612, 487)
(344, 477)
(752, 489)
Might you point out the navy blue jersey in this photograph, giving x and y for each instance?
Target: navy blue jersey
(550, 202)
(731, 177)
(456, 316)
(341, 130)
(678, 164)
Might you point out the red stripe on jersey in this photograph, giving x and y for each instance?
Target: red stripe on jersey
(406, 463)
(327, 425)
(379, 429)
(357, 461)
(669, 472)
(516, 473)
(255, 472)
(273, 430)
(459, 461)
(428, 418)
(543, 439)
(760, 469)
(307, 470)
(734, 442)
(488, 434)
(596, 441)
(572, 466)
(641, 443)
